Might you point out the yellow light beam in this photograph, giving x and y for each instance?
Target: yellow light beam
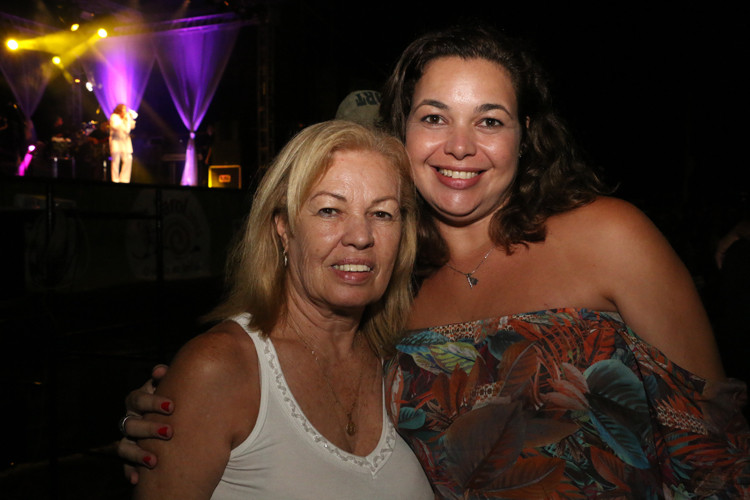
(62, 41)
(54, 43)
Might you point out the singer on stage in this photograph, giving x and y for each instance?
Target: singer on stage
(121, 123)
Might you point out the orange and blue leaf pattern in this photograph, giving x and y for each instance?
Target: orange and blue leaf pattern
(564, 404)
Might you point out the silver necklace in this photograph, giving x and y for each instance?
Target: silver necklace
(351, 427)
(470, 276)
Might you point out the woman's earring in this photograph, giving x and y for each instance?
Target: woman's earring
(286, 261)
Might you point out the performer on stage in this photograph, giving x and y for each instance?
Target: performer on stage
(121, 123)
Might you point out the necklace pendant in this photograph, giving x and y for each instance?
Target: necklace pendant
(351, 429)
(469, 276)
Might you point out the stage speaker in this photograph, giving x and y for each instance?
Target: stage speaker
(224, 176)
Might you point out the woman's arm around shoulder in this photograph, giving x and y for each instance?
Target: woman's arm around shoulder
(214, 381)
(638, 271)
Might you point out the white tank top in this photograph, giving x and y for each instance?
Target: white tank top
(285, 457)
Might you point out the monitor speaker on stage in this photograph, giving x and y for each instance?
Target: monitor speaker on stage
(224, 176)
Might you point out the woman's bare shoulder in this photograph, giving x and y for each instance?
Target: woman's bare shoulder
(634, 266)
(213, 381)
(222, 353)
(606, 223)
(605, 210)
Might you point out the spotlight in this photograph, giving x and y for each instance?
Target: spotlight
(56, 60)
(102, 33)
(74, 27)
(89, 86)
(24, 165)
(12, 44)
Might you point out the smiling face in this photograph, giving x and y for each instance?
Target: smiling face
(463, 136)
(347, 235)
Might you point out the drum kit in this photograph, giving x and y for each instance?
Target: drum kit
(85, 154)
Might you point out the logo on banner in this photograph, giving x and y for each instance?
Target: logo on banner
(186, 237)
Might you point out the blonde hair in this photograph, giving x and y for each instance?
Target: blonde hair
(255, 268)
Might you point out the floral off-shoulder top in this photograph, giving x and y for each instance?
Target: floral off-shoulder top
(565, 403)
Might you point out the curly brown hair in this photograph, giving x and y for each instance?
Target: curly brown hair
(551, 176)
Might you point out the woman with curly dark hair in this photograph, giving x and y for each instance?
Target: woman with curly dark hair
(557, 346)
(549, 179)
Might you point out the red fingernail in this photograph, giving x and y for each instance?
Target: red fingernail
(166, 406)
(147, 460)
(163, 431)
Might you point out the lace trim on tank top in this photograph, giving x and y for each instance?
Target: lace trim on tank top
(372, 462)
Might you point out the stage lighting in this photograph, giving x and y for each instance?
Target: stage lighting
(89, 86)
(56, 60)
(12, 44)
(24, 165)
(102, 33)
(74, 27)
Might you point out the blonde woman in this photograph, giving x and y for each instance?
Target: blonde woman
(284, 399)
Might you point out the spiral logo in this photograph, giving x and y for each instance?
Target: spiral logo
(186, 236)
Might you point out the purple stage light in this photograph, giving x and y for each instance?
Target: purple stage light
(192, 62)
(24, 165)
(119, 68)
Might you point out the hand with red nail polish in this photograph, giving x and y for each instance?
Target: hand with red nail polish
(140, 402)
